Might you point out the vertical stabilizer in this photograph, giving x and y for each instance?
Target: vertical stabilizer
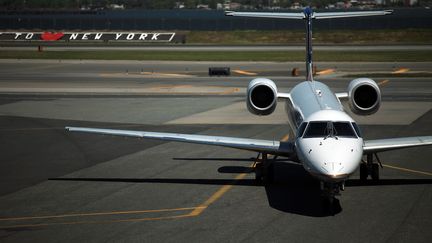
(308, 13)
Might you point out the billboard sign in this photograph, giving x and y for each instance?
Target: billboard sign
(87, 36)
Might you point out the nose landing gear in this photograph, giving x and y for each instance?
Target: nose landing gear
(329, 191)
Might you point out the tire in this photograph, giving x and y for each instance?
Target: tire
(258, 172)
(375, 172)
(269, 174)
(327, 205)
(363, 172)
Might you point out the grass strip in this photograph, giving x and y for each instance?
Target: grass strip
(321, 36)
(275, 56)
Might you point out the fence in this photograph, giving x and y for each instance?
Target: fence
(129, 20)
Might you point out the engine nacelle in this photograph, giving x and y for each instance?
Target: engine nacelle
(261, 96)
(364, 96)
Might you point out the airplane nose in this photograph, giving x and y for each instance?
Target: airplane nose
(332, 169)
(331, 159)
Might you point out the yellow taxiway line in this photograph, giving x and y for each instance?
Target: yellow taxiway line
(384, 82)
(245, 72)
(218, 194)
(122, 74)
(326, 71)
(401, 70)
(98, 214)
(95, 222)
(407, 170)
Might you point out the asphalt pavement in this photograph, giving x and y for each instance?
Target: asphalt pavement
(60, 186)
(225, 48)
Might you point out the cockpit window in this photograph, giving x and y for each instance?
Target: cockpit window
(301, 129)
(344, 129)
(327, 129)
(316, 129)
(357, 129)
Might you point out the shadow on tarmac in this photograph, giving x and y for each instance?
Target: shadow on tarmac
(293, 190)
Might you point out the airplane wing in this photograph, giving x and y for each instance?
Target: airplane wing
(275, 15)
(265, 146)
(380, 145)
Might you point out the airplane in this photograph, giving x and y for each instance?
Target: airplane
(326, 141)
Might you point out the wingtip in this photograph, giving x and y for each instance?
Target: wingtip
(229, 13)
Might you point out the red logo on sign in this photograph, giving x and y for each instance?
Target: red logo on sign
(50, 36)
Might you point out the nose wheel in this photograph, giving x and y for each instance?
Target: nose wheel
(369, 168)
(329, 191)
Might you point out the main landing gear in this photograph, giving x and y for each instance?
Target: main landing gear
(369, 168)
(264, 171)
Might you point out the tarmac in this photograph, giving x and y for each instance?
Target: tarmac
(68, 47)
(60, 186)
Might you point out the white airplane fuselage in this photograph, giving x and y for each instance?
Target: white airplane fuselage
(329, 158)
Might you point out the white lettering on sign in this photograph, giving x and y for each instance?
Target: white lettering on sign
(29, 36)
(130, 36)
(143, 36)
(88, 36)
(73, 36)
(98, 36)
(85, 36)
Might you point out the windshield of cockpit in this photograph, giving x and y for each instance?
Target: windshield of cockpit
(326, 129)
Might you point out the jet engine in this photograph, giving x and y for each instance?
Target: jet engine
(261, 96)
(364, 96)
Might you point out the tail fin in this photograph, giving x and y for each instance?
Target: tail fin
(308, 14)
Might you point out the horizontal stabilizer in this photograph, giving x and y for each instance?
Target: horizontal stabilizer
(302, 15)
(332, 15)
(266, 15)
